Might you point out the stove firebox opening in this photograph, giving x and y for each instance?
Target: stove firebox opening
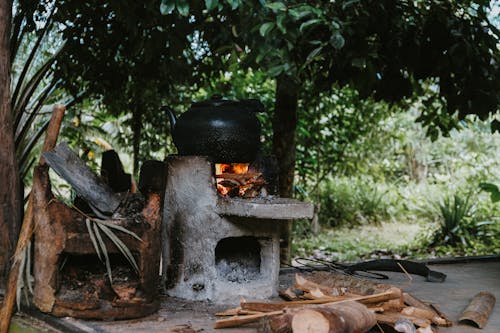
(238, 259)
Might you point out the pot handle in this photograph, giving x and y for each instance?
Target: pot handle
(171, 116)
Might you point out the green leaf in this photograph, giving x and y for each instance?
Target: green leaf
(298, 15)
(167, 6)
(275, 71)
(337, 41)
(349, 3)
(182, 7)
(492, 189)
(266, 28)
(358, 62)
(279, 22)
(233, 3)
(309, 23)
(211, 4)
(313, 54)
(275, 6)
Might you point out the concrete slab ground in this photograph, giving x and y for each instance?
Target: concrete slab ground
(463, 281)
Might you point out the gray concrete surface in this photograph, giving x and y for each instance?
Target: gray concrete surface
(452, 296)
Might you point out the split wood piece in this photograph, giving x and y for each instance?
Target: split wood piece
(347, 317)
(390, 318)
(395, 305)
(350, 283)
(307, 285)
(413, 301)
(240, 177)
(288, 294)
(241, 320)
(479, 309)
(394, 293)
(86, 183)
(422, 313)
(27, 226)
(236, 311)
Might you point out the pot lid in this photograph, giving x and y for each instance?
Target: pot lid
(217, 101)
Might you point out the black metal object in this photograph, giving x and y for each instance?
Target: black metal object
(367, 268)
(226, 131)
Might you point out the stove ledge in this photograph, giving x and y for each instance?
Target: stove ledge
(273, 208)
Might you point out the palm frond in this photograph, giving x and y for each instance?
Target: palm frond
(119, 227)
(120, 245)
(93, 238)
(104, 251)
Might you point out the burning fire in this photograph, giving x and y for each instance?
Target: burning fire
(237, 168)
(233, 168)
(235, 179)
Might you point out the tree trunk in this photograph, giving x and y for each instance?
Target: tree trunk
(10, 198)
(136, 130)
(284, 126)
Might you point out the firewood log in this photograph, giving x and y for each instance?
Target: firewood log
(307, 285)
(347, 317)
(479, 309)
(415, 302)
(390, 318)
(351, 283)
(368, 299)
(422, 313)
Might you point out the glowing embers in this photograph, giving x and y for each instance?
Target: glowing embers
(239, 180)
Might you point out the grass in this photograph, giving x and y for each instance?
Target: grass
(348, 244)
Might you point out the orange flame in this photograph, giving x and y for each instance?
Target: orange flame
(235, 168)
(238, 168)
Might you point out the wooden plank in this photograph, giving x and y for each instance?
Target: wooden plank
(86, 183)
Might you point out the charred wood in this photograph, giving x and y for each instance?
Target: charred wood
(87, 184)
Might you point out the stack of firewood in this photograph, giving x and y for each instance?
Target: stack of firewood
(245, 185)
(334, 302)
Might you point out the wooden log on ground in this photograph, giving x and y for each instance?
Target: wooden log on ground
(422, 313)
(87, 184)
(390, 318)
(241, 320)
(415, 302)
(27, 226)
(348, 317)
(307, 285)
(479, 309)
(351, 283)
(368, 299)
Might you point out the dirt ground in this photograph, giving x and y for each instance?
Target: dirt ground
(463, 281)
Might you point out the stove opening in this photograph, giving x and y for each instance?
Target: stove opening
(238, 180)
(237, 259)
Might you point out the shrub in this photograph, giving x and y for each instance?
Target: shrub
(351, 201)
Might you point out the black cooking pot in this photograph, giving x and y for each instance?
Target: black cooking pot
(224, 130)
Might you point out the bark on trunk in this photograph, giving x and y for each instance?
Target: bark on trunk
(10, 198)
(136, 130)
(284, 126)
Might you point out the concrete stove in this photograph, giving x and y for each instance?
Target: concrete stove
(217, 248)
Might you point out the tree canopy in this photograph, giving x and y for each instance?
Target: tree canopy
(133, 56)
